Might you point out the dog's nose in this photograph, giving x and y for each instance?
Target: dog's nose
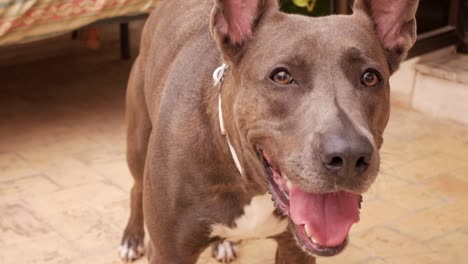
(348, 154)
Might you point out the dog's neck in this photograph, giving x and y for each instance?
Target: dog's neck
(218, 77)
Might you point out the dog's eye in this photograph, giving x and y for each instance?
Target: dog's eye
(370, 78)
(282, 76)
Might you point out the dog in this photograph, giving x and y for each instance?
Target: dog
(246, 123)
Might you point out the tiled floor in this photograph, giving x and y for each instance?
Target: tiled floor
(64, 182)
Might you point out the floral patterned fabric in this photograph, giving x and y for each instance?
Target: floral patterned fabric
(28, 20)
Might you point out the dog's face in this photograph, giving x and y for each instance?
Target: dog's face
(307, 100)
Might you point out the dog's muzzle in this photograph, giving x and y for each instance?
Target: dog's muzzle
(320, 222)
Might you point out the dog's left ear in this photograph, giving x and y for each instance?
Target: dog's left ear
(395, 25)
(233, 24)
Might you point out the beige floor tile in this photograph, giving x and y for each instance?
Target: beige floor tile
(18, 224)
(103, 257)
(377, 213)
(101, 155)
(373, 261)
(116, 172)
(407, 125)
(434, 222)
(25, 133)
(84, 226)
(44, 156)
(29, 186)
(53, 250)
(13, 167)
(453, 185)
(412, 197)
(384, 183)
(96, 195)
(117, 213)
(428, 258)
(412, 136)
(108, 137)
(461, 173)
(397, 152)
(71, 172)
(385, 242)
(78, 215)
(453, 145)
(422, 169)
(453, 246)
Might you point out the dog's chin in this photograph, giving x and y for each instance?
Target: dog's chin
(305, 224)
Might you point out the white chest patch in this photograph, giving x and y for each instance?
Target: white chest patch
(258, 221)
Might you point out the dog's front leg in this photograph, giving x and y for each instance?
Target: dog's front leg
(289, 252)
(176, 236)
(176, 246)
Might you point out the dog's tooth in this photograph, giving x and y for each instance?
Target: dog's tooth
(307, 230)
(309, 233)
(289, 184)
(313, 240)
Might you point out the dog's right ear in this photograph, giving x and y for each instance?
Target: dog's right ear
(233, 24)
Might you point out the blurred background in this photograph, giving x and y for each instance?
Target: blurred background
(64, 183)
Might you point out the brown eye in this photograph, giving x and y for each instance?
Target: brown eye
(282, 77)
(370, 79)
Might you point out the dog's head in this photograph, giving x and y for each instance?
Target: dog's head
(305, 102)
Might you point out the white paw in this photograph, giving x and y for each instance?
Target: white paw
(129, 252)
(225, 251)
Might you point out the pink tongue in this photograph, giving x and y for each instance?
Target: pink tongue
(329, 215)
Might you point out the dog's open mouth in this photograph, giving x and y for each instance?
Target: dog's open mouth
(319, 221)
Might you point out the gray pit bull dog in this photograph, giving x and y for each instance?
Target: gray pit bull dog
(281, 147)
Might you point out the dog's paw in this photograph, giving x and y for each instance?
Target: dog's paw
(225, 251)
(132, 247)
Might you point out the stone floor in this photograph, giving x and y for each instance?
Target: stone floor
(64, 183)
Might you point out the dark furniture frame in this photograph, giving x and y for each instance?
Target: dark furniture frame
(123, 22)
(462, 27)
